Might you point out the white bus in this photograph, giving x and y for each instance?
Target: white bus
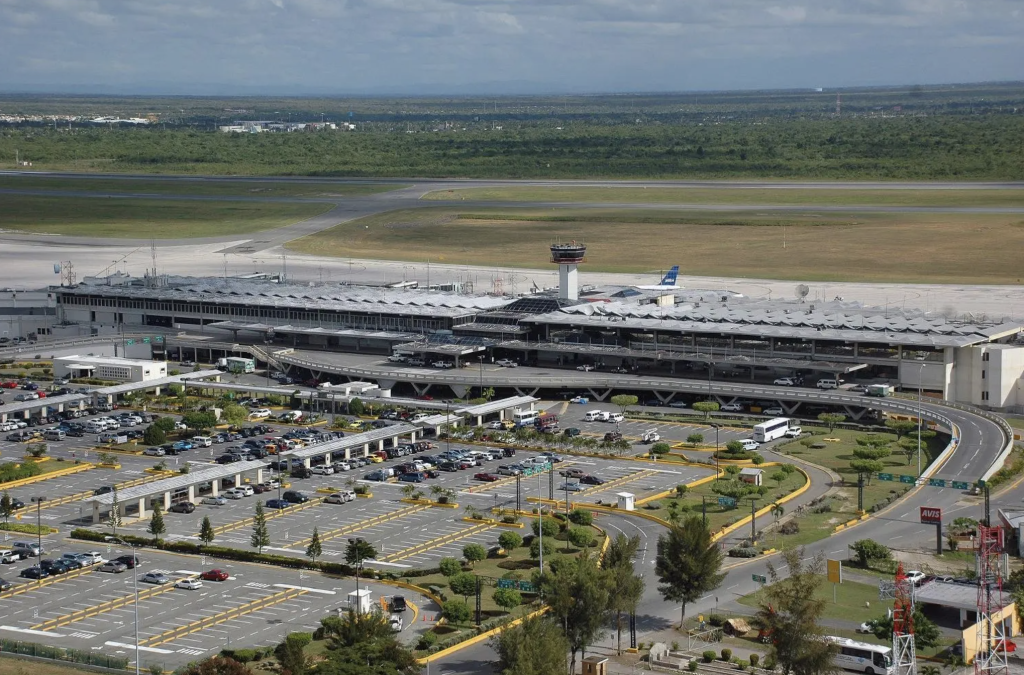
(863, 657)
(524, 418)
(770, 430)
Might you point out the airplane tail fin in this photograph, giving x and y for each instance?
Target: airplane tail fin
(670, 278)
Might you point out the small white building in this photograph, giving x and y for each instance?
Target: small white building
(109, 368)
(754, 476)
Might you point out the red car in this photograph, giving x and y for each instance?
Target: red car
(488, 477)
(9, 385)
(214, 575)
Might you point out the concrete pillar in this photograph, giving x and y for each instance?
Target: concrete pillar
(238, 479)
(305, 462)
(216, 487)
(167, 500)
(142, 507)
(156, 391)
(348, 453)
(380, 444)
(192, 493)
(327, 458)
(479, 420)
(259, 475)
(95, 512)
(501, 415)
(412, 436)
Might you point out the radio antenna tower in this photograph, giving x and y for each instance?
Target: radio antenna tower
(904, 658)
(67, 274)
(990, 654)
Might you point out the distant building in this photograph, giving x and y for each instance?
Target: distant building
(109, 368)
(752, 476)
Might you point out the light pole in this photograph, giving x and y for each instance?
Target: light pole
(920, 376)
(39, 521)
(716, 426)
(481, 376)
(135, 585)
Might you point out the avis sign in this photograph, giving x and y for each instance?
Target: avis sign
(931, 515)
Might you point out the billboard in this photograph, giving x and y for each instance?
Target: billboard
(931, 515)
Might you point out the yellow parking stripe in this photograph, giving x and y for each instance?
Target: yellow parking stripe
(33, 585)
(269, 515)
(221, 617)
(363, 524)
(435, 543)
(108, 606)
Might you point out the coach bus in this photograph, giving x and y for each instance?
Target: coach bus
(863, 657)
(770, 430)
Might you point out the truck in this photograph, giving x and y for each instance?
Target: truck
(879, 390)
(237, 364)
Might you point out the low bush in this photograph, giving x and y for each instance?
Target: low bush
(692, 666)
(709, 656)
(427, 640)
(12, 471)
(789, 527)
(743, 552)
(726, 654)
(754, 659)
(743, 664)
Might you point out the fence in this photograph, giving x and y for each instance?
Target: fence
(60, 654)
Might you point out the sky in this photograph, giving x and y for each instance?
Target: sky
(516, 46)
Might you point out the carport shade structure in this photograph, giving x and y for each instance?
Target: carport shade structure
(203, 473)
(346, 444)
(26, 407)
(500, 406)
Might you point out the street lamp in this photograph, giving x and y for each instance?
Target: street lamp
(716, 426)
(135, 584)
(39, 522)
(481, 375)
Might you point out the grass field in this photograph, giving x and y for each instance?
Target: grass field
(225, 188)
(148, 218)
(876, 247)
(733, 196)
(14, 666)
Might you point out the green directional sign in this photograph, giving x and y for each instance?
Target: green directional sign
(886, 476)
(506, 583)
(129, 342)
(907, 479)
(937, 482)
(527, 587)
(145, 340)
(727, 502)
(960, 485)
(158, 339)
(759, 578)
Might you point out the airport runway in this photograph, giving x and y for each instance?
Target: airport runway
(26, 261)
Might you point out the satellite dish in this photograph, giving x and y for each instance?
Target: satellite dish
(801, 291)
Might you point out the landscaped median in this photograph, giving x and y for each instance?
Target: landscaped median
(29, 472)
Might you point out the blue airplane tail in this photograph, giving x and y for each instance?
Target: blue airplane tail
(670, 278)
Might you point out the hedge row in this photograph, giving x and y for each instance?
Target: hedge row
(11, 471)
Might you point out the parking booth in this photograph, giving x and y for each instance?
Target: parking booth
(361, 600)
(626, 501)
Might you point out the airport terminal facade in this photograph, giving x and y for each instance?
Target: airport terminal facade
(664, 331)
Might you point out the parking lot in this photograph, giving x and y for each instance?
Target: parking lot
(633, 430)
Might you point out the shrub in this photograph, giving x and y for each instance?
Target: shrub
(726, 654)
(510, 540)
(692, 666)
(550, 527)
(789, 527)
(580, 537)
(743, 664)
(709, 656)
(675, 645)
(427, 640)
(535, 547)
(743, 552)
(581, 517)
(754, 658)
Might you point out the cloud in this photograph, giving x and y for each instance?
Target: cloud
(596, 45)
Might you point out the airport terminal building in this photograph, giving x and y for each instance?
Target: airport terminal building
(717, 334)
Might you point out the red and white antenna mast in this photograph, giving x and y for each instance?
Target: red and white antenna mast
(990, 654)
(904, 657)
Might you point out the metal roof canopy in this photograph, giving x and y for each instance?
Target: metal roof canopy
(193, 477)
(352, 441)
(438, 420)
(21, 406)
(950, 594)
(495, 406)
(442, 349)
(159, 382)
(252, 388)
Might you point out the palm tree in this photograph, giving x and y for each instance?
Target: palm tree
(777, 511)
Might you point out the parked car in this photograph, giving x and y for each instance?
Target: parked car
(219, 500)
(580, 399)
(590, 479)
(189, 584)
(773, 412)
(326, 470)
(214, 575)
(506, 363)
(277, 504)
(113, 566)
(154, 452)
(731, 407)
(33, 573)
(183, 507)
(571, 487)
(54, 567)
(129, 561)
(340, 497)
(487, 477)
(294, 497)
(5, 585)
(158, 578)
(234, 493)
(784, 382)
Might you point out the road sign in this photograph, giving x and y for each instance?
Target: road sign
(931, 515)
(158, 339)
(145, 340)
(727, 502)
(759, 578)
(527, 586)
(834, 571)
(886, 476)
(937, 482)
(506, 583)
(960, 485)
(129, 342)
(907, 479)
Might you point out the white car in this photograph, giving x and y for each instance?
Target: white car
(444, 365)
(395, 621)
(784, 382)
(506, 363)
(154, 452)
(397, 358)
(731, 407)
(341, 466)
(774, 412)
(749, 444)
(604, 416)
(215, 501)
(586, 368)
(180, 426)
(247, 489)
(580, 399)
(189, 584)
(794, 432)
(495, 425)
(340, 497)
(915, 576)
(233, 493)
(260, 414)
(155, 578)
(326, 470)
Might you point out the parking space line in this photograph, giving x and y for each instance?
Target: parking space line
(102, 608)
(221, 617)
(363, 524)
(269, 515)
(436, 543)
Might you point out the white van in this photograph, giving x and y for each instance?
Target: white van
(828, 384)
(593, 415)
(616, 417)
(749, 444)
(8, 556)
(202, 441)
(95, 426)
(54, 435)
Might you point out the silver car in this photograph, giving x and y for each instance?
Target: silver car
(155, 578)
(113, 567)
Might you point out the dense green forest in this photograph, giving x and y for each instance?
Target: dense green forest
(960, 133)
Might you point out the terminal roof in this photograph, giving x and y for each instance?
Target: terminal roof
(199, 473)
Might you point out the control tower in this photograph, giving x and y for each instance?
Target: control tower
(568, 257)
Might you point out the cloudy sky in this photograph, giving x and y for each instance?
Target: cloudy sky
(370, 46)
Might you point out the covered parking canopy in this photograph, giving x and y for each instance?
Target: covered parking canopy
(165, 488)
(500, 406)
(347, 443)
(435, 422)
(158, 383)
(23, 409)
